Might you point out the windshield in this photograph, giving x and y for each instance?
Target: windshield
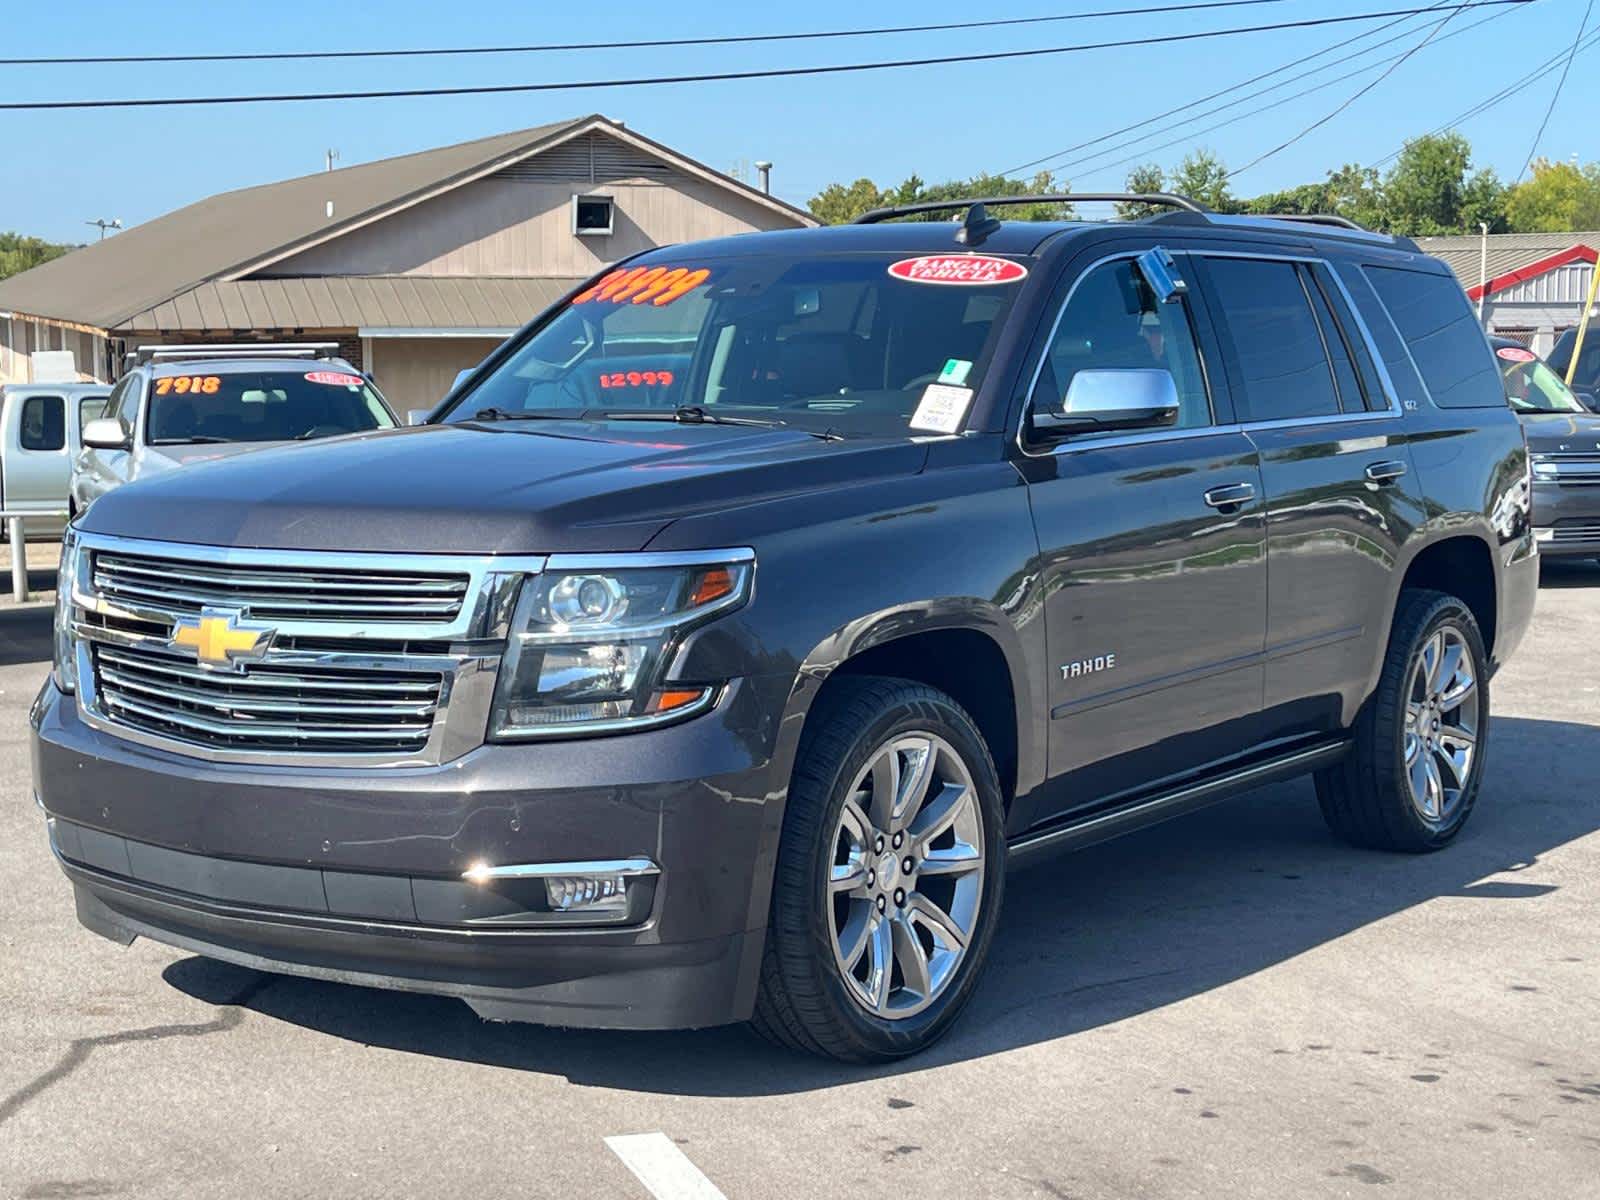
(845, 344)
(265, 406)
(1531, 386)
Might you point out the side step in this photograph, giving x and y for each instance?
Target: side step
(1102, 826)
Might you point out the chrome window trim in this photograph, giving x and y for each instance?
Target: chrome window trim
(1165, 435)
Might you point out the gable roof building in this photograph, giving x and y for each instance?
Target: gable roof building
(418, 264)
(1530, 286)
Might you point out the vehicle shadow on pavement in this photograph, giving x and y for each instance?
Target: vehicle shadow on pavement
(25, 632)
(1086, 940)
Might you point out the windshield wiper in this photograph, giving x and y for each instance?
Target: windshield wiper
(499, 414)
(197, 440)
(691, 414)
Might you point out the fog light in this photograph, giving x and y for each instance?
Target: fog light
(599, 894)
(1544, 535)
(596, 890)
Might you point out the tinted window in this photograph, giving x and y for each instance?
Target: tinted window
(261, 406)
(1402, 371)
(1114, 322)
(1433, 316)
(1352, 396)
(1283, 367)
(817, 342)
(44, 423)
(1587, 376)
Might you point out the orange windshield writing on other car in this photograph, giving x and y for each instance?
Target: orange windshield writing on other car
(644, 285)
(206, 385)
(628, 379)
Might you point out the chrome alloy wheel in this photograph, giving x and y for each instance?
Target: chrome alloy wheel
(906, 875)
(1441, 732)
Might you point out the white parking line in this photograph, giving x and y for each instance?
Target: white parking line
(663, 1169)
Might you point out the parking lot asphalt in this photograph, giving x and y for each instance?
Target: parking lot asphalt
(1229, 1005)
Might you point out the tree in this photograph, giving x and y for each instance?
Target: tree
(1148, 178)
(1202, 176)
(1429, 190)
(18, 253)
(837, 203)
(1559, 198)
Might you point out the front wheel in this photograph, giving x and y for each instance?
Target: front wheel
(1411, 778)
(889, 876)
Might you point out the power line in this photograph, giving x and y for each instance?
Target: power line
(711, 77)
(656, 43)
(1351, 99)
(1144, 152)
(1184, 107)
(1493, 101)
(1560, 83)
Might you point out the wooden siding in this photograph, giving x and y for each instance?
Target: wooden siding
(512, 227)
(417, 372)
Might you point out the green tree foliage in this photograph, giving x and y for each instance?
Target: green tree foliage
(1560, 197)
(838, 203)
(1431, 189)
(18, 253)
(1202, 176)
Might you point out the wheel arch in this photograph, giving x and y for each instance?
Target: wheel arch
(1463, 566)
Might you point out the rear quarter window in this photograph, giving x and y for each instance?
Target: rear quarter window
(1433, 317)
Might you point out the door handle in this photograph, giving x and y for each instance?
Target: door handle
(1229, 495)
(1387, 471)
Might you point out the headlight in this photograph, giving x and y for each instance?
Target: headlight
(591, 639)
(66, 646)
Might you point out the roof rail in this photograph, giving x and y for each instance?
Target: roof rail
(1316, 219)
(1161, 199)
(150, 354)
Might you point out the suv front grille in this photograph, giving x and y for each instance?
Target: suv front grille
(1577, 531)
(279, 592)
(314, 709)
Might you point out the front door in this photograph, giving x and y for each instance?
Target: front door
(1153, 557)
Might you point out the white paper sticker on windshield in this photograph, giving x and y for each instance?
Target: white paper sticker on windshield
(942, 408)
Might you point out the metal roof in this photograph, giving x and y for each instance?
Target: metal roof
(1508, 252)
(107, 283)
(339, 301)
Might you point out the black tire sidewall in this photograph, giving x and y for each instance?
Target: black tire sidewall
(1445, 611)
(925, 710)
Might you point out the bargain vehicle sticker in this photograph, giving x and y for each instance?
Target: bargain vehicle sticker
(643, 285)
(1516, 354)
(966, 270)
(334, 378)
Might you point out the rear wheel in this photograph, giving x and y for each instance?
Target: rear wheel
(1411, 779)
(889, 875)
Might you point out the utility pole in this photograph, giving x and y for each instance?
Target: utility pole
(331, 155)
(114, 223)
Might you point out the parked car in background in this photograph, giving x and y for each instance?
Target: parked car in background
(712, 651)
(41, 427)
(188, 404)
(1586, 379)
(1564, 448)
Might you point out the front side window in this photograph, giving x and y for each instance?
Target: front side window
(1283, 364)
(90, 408)
(44, 423)
(824, 343)
(1114, 322)
(261, 406)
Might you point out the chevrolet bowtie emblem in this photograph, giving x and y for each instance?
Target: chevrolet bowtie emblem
(221, 638)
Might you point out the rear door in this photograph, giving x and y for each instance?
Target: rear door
(1341, 494)
(1153, 554)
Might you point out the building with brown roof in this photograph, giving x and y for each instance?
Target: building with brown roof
(418, 265)
(1530, 286)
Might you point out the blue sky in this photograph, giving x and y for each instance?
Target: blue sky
(63, 168)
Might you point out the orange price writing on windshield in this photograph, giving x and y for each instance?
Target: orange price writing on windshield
(644, 285)
(200, 385)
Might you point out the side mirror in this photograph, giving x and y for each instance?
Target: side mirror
(1098, 400)
(106, 433)
(418, 416)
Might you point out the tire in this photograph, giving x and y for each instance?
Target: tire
(815, 994)
(1369, 798)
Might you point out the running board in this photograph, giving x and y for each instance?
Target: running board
(1100, 827)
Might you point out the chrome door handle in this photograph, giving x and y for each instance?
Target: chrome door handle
(1387, 471)
(1230, 494)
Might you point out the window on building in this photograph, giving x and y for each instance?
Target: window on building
(44, 423)
(592, 215)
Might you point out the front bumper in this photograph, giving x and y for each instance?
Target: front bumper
(1566, 519)
(358, 875)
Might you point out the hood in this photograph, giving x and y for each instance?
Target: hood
(1562, 433)
(519, 487)
(165, 458)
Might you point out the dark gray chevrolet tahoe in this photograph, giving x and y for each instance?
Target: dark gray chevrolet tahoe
(721, 641)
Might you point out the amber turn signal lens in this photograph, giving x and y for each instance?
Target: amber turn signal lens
(673, 698)
(713, 584)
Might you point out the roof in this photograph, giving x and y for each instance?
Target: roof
(231, 234)
(375, 301)
(1513, 257)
